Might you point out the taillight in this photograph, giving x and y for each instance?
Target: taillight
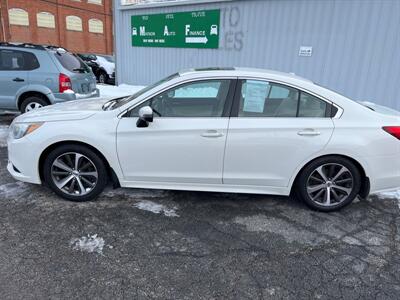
(393, 130)
(64, 83)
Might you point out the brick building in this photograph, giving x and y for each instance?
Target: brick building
(78, 25)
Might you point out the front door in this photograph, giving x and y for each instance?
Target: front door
(185, 143)
(275, 129)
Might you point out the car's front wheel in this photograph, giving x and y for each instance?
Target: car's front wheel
(329, 183)
(75, 173)
(103, 77)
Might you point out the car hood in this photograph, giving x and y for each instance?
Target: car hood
(67, 111)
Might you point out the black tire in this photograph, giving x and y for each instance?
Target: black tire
(102, 178)
(303, 179)
(103, 77)
(32, 99)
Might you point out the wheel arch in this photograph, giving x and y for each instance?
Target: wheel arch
(27, 94)
(365, 184)
(110, 171)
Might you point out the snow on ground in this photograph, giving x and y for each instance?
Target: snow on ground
(14, 190)
(3, 135)
(390, 195)
(156, 208)
(118, 91)
(90, 244)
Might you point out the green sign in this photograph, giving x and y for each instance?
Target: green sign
(197, 29)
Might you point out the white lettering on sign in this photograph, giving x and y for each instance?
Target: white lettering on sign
(166, 30)
(305, 51)
(187, 29)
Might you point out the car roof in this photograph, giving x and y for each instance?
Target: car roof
(244, 72)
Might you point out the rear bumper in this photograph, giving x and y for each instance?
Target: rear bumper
(63, 97)
(384, 173)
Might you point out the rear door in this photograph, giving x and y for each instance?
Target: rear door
(185, 143)
(82, 78)
(274, 128)
(14, 66)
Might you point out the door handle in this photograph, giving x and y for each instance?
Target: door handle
(18, 79)
(212, 134)
(308, 132)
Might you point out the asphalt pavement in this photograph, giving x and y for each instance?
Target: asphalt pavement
(152, 244)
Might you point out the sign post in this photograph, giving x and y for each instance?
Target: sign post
(197, 29)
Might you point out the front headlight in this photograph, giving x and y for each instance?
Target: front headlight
(19, 130)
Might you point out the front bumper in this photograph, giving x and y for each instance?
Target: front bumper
(23, 161)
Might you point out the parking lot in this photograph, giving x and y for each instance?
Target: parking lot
(150, 244)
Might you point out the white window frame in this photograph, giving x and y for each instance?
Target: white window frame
(71, 26)
(95, 23)
(46, 23)
(97, 2)
(20, 17)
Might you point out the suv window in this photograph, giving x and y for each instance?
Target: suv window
(266, 99)
(14, 60)
(198, 99)
(71, 62)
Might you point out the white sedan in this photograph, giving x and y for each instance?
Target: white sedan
(226, 130)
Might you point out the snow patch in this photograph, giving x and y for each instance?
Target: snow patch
(390, 195)
(112, 91)
(156, 208)
(13, 190)
(3, 135)
(90, 244)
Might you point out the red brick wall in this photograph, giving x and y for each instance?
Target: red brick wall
(75, 41)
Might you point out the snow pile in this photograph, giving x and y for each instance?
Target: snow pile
(390, 195)
(156, 208)
(3, 135)
(88, 244)
(112, 91)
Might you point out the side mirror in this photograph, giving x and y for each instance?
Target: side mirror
(145, 116)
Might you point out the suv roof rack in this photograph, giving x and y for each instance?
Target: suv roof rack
(54, 47)
(22, 45)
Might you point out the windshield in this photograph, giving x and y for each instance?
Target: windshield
(71, 62)
(123, 101)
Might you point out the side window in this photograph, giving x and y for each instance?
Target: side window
(198, 99)
(311, 107)
(13, 60)
(265, 99)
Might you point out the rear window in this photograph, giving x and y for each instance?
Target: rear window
(14, 60)
(71, 62)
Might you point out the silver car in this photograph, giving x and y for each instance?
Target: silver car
(33, 76)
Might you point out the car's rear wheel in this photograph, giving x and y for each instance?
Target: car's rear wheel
(103, 77)
(329, 183)
(32, 103)
(75, 173)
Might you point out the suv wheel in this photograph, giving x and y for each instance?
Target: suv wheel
(103, 77)
(32, 103)
(75, 173)
(329, 183)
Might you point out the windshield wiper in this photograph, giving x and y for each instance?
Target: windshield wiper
(80, 70)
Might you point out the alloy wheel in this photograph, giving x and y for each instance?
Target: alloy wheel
(32, 106)
(74, 174)
(330, 184)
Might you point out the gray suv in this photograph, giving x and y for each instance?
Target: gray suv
(32, 76)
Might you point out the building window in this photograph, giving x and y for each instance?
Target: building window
(95, 26)
(45, 19)
(18, 16)
(74, 23)
(98, 2)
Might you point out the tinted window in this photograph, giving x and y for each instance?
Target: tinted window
(71, 62)
(14, 60)
(264, 99)
(311, 107)
(199, 99)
